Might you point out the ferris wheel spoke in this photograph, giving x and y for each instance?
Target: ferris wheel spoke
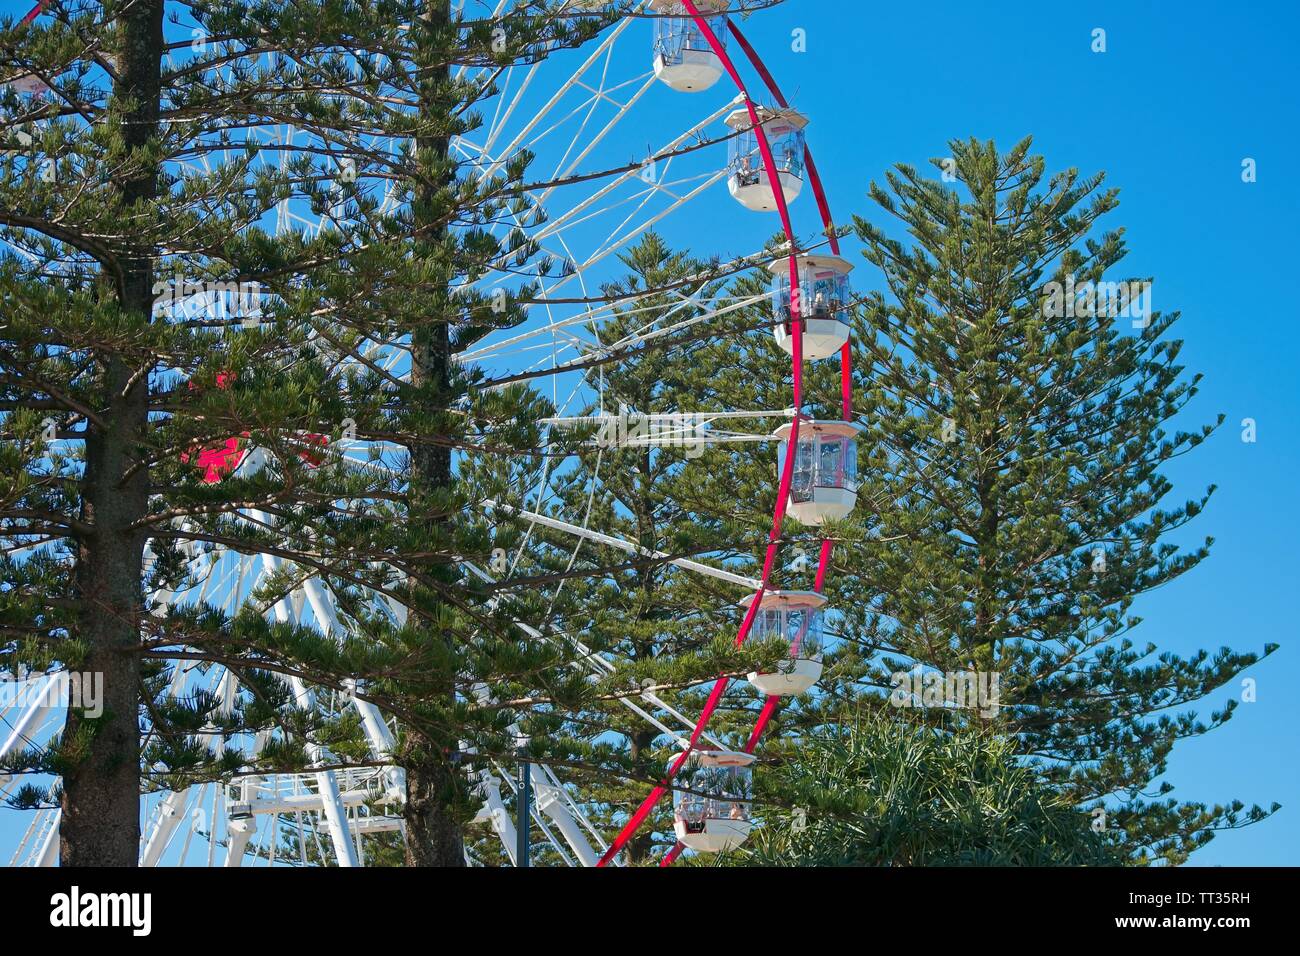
(522, 135)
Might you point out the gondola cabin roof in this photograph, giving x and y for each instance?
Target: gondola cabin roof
(720, 758)
(827, 429)
(773, 600)
(781, 267)
(740, 118)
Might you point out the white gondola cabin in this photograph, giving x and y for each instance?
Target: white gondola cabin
(714, 815)
(824, 296)
(797, 618)
(29, 86)
(748, 182)
(684, 60)
(824, 485)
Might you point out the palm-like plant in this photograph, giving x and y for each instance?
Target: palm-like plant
(875, 792)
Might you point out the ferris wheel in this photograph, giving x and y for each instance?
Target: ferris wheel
(672, 71)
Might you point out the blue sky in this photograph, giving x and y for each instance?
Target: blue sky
(1181, 96)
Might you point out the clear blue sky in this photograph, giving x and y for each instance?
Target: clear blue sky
(1183, 94)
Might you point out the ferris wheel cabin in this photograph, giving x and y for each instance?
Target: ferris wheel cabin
(748, 181)
(796, 617)
(714, 815)
(684, 60)
(824, 486)
(25, 86)
(824, 296)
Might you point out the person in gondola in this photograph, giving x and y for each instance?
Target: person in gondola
(820, 306)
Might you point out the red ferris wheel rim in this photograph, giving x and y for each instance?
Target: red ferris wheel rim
(769, 706)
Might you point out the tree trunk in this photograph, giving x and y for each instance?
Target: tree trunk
(101, 789)
(433, 832)
(433, 835)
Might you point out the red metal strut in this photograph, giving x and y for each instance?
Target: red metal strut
(846, 395)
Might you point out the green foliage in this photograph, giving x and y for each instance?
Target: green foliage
(875, 791)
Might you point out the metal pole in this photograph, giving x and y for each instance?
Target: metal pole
(525, 810)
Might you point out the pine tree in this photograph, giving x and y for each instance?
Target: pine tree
(689, 496)
(651, 619)
(92, 514)
(1014, 507)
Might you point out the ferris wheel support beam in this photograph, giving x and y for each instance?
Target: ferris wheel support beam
(599, 315)
(560, 176)
(305, 802)
(43, 835)
(495, 812)
(169, 818)
(555, 225)
(377, 733)
(667, 429)
(614, 245)
(627, 702)
(45, 851)
(599, 663)
(239, 832)
(704, 417)
(321, 602)
(28, 721)
(558, 96)
(345, 850)
(546, 799)
(631, 548)
(48, 852)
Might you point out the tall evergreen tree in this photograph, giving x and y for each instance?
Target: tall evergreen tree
(82, 204)
(1017, 397)
(1020, 398)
